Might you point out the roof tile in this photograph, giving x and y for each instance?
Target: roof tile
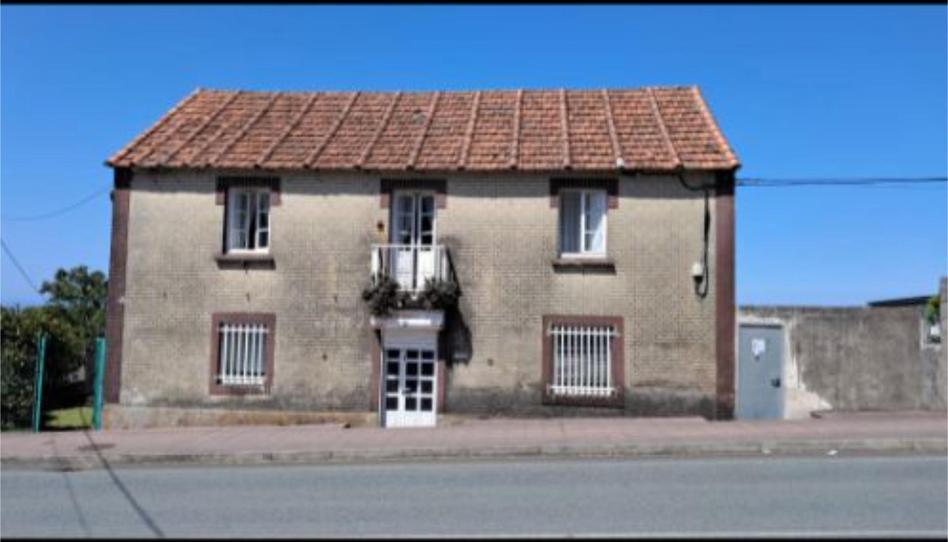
(584, 130)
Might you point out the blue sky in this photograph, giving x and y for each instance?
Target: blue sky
(800, 91)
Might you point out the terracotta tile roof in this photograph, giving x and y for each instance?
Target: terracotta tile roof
(651, 129)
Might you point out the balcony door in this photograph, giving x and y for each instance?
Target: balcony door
(413, 234)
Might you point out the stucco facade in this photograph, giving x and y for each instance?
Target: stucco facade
(501, 231)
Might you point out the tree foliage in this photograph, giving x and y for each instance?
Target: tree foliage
(77, 299)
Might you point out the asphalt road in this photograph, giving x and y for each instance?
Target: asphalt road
(826, 496)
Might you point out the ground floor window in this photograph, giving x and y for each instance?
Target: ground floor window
(242, 358)
(583, 358)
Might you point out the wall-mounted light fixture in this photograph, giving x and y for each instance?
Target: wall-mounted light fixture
(697, 274)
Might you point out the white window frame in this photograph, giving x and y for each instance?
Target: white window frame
(397, 213)
(582, 360)
(584, 251)
(242, 354)
(251, 222)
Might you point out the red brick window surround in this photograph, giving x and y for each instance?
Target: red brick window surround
(583, 362)
(247, 202)
(242, 353)
(224, 183)
(611, 186)
(582, 222)
(438, 186)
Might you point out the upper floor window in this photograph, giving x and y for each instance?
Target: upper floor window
(582, 222)
(248, 219)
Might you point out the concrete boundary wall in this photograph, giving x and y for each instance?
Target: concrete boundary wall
(857, 358)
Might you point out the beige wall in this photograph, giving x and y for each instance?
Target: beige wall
(502, 235)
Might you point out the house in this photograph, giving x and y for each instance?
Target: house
(406, 255)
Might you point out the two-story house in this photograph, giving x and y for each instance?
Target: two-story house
(519, 252)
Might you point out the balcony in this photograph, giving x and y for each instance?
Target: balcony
(411, 265)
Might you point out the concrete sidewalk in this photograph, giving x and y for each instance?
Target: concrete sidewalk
(906, 432)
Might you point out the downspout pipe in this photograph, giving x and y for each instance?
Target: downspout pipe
(701, 288)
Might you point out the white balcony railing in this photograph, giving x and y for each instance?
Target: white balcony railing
(410, 265)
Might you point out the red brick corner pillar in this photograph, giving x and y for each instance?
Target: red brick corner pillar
(725, 316)
(115, 305)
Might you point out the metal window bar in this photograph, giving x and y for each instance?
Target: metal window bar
(582, 360)
(242, 352)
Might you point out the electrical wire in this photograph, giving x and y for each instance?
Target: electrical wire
(19, 267)
(838, 181)
(58, 212)
(701, 288)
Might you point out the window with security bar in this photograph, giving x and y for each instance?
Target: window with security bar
(584, 358)
(248, 220)
(242, 354)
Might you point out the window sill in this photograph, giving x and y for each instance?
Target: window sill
(245, 260)
(582, 264)
(614, 401)
(219, 390)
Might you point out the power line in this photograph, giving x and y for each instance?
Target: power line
(19, 267)
(838, 181)
(58, 212)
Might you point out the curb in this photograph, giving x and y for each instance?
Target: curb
(923, 446)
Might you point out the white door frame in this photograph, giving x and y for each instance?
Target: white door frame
(402, 340)
(415, 253)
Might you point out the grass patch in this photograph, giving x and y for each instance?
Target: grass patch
(70, 418)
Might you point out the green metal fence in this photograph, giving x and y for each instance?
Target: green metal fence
(38, 381)
(39, 377)
(97, 385)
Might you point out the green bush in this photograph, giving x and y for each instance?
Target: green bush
(17, 361)
(72, 318)
(19, 329)
(933, 309)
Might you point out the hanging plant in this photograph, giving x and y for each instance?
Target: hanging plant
(439, 294)
(384, 296)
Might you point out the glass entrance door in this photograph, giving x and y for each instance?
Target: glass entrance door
(409, 384)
